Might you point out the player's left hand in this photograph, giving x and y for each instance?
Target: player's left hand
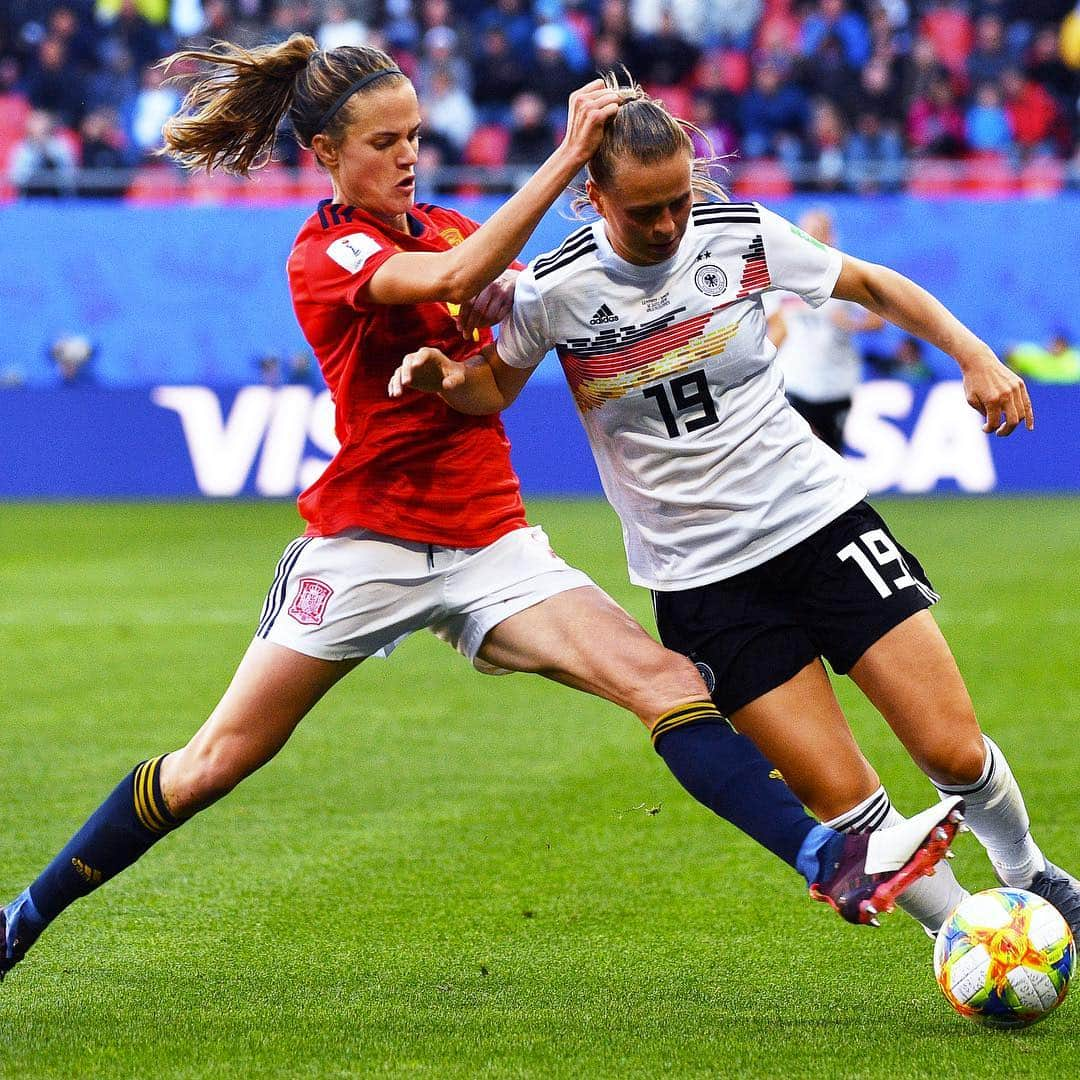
(428, 370)
(1000, 395)
(488, 307)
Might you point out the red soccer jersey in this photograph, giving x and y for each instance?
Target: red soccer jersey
(409, 467)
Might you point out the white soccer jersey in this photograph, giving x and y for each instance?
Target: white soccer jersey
(818, 358)
(709, 469)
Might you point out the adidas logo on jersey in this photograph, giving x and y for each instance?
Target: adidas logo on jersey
(603, 316)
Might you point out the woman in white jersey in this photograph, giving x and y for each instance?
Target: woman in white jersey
(816, 348)
(756, 541)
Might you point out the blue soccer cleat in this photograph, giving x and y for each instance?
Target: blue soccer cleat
(862, 874)
(1063, 891)
(15, 935)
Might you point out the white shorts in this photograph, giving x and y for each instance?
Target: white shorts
(360, 593)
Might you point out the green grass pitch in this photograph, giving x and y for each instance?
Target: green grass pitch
(446, 875)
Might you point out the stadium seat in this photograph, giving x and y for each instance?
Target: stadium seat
(212, 189)
(488, 145)
(1042, 177)
(764, 178)
(270, 185)
(156, 184)
(678, 99)
(933, 178)
(990, 175)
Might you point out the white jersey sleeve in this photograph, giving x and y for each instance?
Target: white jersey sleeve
(797, 262)
(525, 334)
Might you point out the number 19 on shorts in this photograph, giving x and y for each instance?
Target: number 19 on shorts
(878, 546)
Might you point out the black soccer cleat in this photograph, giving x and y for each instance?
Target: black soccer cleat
(1063, 891)
(862, 874)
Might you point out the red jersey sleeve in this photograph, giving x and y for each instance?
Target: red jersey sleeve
(339, 263)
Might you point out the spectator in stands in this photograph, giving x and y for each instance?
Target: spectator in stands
(552, 76)
(400, 28)
(440, 55)
(574, 44)
(614, 22)
(991, 54)
(498, 76)
(155, 102)
(104, 152)
(935, 124)
(879, 93)
(825, 146)
(663, 57)
(827, 74)
(920, 71)
(875, 154)
(115, 83)
(513, 19)
(773, 115)
(719, 139)
(42, 163)
(1056, 362)
(833, 18)
(905, 362)
(1046, 67)
(1033, 113)
(532, 136)
(947, 24)
(66, 25)
(986, 124)
(340, 26)
(126, 24)
(448, 111)
(50, 86)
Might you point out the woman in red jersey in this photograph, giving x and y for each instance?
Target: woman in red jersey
(418, 521)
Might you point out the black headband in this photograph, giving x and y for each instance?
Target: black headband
(353, 87)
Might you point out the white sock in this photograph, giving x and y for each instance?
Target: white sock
(930, 900)
(994, 809)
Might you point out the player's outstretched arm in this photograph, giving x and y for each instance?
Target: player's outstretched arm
(481, 385)
(991, 388)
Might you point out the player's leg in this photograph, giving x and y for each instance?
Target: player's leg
(911, 677)
(270, 693)
(559, 637)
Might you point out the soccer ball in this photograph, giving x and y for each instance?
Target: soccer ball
(1004, 958)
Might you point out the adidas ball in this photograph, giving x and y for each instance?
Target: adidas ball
(1004, 958)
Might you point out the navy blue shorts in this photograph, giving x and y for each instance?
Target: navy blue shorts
(832, 595)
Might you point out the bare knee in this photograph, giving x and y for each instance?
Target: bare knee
(664, 680)
(952, 761)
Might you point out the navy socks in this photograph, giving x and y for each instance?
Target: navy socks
(126, 825)
(727, 773)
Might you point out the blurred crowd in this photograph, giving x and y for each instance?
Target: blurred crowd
(821, 94)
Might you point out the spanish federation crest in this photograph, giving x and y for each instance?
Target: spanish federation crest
(309, 606)
(710, 279)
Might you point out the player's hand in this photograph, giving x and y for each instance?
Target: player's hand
(1000, 395)
(488, 307)
(589, 109)
(428, 370)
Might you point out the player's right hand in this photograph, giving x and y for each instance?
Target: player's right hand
(589, 109)
(428, 370)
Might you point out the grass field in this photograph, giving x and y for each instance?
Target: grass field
(446, 875)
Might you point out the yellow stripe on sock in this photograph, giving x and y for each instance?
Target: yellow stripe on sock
(144, 797)
(684, 714)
